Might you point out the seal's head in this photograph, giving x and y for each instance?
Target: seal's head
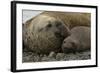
(45, 23)
(69, 45)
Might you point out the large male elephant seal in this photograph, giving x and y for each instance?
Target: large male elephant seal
(45, 32)
(79, 40)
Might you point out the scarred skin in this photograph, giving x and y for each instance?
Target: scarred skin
(46, 32)
(79, 40)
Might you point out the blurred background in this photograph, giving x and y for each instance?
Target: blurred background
(28, 14)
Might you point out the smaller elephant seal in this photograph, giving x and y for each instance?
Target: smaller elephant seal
(78, 41)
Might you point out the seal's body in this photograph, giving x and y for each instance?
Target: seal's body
(79, 40)
(46, 32)
(70, 19)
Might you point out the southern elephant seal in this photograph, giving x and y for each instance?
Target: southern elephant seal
(46, 32)
(79, 40)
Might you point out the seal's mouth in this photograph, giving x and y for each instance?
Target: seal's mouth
(68, 50)
(58, 35)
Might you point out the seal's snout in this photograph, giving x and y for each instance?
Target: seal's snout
(68, 50)
(58, 34)
(65, 32)
(68, 47)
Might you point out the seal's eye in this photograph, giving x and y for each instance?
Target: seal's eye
(58, 24)
(49, 25)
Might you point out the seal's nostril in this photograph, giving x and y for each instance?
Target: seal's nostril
(64, 41)
(57, 34)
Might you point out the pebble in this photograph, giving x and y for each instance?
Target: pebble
(32, 57)
(52, 54)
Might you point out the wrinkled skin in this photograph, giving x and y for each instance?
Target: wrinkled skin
(46, 32)
(44, 36)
